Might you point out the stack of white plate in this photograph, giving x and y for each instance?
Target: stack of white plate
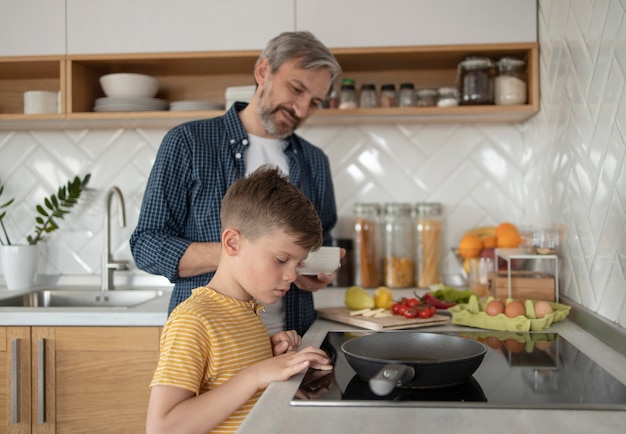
(239, 93)
(195, 105)
(41, 101)
(129, 104)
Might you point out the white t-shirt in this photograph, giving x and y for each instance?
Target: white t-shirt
(261, 151)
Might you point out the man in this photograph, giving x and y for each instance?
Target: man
(178, 232)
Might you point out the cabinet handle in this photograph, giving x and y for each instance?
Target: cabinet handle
(41, 381)
(15, 381)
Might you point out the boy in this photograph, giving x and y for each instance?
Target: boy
(216, 355)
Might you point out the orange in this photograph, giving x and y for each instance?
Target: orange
(470, 246)
(505, 227)
(489, 242)
(509, 239)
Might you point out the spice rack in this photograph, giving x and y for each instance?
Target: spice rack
(206, 75)
(509, 255)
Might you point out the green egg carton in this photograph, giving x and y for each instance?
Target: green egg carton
(472, 314)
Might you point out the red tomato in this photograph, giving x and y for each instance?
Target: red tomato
(410, 313)
(412, 302)
(425, 313)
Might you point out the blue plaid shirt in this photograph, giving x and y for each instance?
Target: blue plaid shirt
(195, 164)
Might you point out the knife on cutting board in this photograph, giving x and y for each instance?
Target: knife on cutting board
(394, 322)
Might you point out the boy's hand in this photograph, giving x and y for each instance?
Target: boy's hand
(283, 342)
(284, 366)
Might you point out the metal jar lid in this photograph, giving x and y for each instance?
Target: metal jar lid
(475, 63)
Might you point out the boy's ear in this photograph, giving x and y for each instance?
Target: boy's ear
(230, 241)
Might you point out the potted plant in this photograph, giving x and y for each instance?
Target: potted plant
(19, 261)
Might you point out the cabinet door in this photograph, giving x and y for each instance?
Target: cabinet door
(15, 380)
(143, 26)
(32, 27)
(102, 377)
(371, 23)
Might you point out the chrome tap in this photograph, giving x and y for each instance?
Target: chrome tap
(108, 264)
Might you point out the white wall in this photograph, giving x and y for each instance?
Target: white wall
(566, 166)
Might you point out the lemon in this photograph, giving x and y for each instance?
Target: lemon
(383, 298)
(357, 298)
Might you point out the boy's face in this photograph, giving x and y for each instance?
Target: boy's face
(290, 96)
(267, 266)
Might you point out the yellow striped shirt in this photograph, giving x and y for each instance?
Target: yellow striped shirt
(206, 340)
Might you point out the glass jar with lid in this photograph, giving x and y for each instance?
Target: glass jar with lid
(367, 245)
(427, 219)
(447, 96)
(368, 97)
(388, 95)
(406, 97)
(510, 83)
(475, 78)
(426, 97)
(398, 258)
(347, 95)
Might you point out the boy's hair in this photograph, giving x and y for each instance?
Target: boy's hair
(312, 54)
(266, 201)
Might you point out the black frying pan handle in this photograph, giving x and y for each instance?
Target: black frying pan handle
(389, 377)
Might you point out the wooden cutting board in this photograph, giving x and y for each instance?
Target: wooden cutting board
(394, 322)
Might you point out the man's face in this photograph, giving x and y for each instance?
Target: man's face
(289, 96)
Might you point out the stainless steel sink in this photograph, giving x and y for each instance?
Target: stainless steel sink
(82, 298)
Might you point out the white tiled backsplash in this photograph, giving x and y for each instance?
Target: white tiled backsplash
(565, 166)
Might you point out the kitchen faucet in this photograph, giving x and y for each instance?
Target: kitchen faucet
(108, 264)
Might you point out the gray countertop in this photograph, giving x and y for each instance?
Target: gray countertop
(273, 413)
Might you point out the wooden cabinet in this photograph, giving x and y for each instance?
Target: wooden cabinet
(32, 27)
(147, 26)
(372, 23)
(206, 75)
(76, 379)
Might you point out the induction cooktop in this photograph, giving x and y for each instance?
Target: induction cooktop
(520, 370)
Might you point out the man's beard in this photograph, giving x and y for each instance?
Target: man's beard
(267, 115)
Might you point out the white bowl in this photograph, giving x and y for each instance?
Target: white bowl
(129, 84)
(325, 260)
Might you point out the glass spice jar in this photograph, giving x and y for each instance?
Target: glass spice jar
(367, 245)
(426, 97)
(388, 95)
(447, 96)
(406, 97)
(347, 96)
(368, 97)
(427, 219)
(398, 258)
(475, 78)
(510, 83)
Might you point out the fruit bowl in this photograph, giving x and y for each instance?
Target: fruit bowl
(129, 85)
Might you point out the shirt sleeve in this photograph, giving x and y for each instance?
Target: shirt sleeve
(158, 241)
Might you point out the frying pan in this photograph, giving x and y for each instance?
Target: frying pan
(413, 359)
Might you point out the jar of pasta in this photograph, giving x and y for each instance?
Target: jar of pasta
(398, 258)
(367, 255)
(427, 218)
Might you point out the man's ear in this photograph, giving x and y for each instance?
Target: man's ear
(262, 71)
(231, 241)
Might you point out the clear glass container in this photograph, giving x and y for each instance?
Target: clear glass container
(388, 95)
(368, 97)
(447, 96)
(427, 219)
(475, 78)
(398, 258)
(511, 82)
(347, 96)
(367, 245)
(333, 99)
(426, 97)
(406, 97)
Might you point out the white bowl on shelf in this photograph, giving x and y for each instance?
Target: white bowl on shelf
(129, 84)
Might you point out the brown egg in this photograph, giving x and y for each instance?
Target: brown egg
(494, 307)
(543, 345)
(513, 345)
(514, 309)
(494, 342)
(542, 308)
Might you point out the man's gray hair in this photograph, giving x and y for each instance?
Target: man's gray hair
(303, 46)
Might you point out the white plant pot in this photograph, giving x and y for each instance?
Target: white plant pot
(19, 265)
